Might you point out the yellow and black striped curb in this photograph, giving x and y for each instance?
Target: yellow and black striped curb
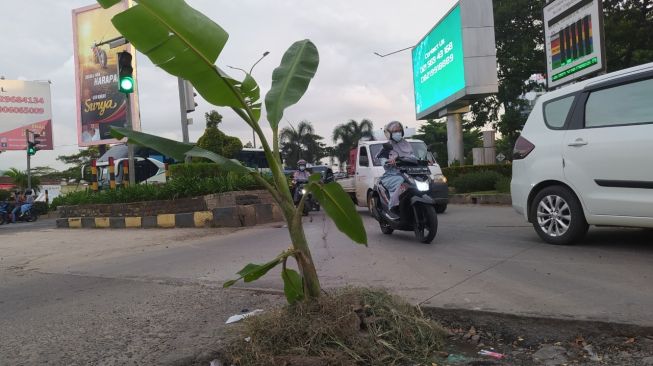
(237, 216)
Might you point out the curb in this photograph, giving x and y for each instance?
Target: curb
(236, 216)
(481, 199)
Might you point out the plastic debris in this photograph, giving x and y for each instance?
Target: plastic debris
(239, 317)
(492, 354)
(248, 339)
(216, 363)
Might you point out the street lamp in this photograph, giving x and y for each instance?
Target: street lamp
(250, 73)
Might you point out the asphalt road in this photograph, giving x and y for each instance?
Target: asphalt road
(80, 287)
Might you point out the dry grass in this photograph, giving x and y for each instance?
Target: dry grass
(350, 327)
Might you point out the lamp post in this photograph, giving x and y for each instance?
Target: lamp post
(250, 73)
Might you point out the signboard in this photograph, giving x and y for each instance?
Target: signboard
(25, 105)
(455, 63)
(573, 31)
(99, 103)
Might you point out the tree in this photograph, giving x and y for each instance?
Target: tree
(347, 135)
(19, 178)
(217, 141)
(249, 145)
(623, 20)
(434, 134)
(301, 143)
(197, 44)
(78, 160)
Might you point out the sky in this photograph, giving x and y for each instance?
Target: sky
(351, 82)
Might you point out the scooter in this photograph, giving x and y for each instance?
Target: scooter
(416, 211)
(309, 204)
(5, 213)
(28, 216)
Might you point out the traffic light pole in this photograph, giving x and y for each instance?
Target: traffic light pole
(29, 160)
(130, 147)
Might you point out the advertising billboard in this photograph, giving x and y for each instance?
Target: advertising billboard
(455, 63)
(99, 103)
(25, 105)
(573, 31)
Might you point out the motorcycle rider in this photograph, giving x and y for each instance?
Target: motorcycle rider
(300, 175)
(397, 147)
(29, 201)
(18, 203)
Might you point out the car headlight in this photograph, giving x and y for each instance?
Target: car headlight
(422, 186)
(439, 178)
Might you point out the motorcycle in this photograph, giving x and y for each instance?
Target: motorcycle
(416, 207)
(28, 216)
(309, 204)
(5, 212)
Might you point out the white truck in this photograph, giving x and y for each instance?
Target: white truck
(364, 170)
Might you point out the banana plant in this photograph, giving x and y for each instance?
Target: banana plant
(186, 43)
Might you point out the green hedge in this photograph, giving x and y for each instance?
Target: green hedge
(201, 170)
(476, 182)
(452, 173)
(4, 194)
(503, 185)
(179, 187)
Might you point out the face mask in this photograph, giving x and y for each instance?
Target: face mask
(397, 136)
(302, 168)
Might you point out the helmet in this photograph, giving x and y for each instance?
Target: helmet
(393, 126)
(301, 162)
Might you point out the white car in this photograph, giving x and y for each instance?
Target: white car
(585, 157)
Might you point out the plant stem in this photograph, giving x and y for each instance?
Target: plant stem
(304, 258)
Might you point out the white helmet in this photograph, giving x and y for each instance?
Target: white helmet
(392, 126)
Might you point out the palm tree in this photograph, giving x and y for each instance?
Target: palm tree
(347, 135)
(300, 143)
(20, 178)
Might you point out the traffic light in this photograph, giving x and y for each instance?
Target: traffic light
(31, 145)
(190, 96)
(125, 73)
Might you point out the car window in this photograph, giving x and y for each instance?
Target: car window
(419, 148)
(362, 158)
(621, 105)
(555, 112)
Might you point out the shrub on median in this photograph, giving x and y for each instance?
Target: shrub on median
(181, 187)
(476, 182)
(452, 173)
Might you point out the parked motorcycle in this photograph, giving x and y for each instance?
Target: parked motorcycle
(416, 207)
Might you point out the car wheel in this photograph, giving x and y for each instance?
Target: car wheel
(371, 202)
(558, 216)
(441, 208)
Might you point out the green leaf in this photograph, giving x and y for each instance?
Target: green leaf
(290, 80)
(339, 206)
(229, 283)
(176, 149)
(183, 42)
(293, 285)
(315, 178)
(252, 94)
(253, 272)
(108, 3)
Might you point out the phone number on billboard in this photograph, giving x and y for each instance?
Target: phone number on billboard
(26, 100)
(22, 110)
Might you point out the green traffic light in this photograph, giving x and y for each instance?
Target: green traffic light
(126, 84)
(31, 150)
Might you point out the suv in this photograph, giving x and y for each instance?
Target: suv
(585, 157)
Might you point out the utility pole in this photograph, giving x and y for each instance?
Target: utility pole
(250, 73)
(28, 133)
(186, 105)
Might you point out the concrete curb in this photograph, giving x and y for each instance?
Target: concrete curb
(237, 216)
(481, 199)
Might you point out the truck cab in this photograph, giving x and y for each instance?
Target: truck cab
(364, 169)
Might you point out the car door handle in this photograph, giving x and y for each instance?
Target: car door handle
(579, 142)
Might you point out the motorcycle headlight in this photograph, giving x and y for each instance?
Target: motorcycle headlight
(303, 191)
(439, 178)
(422, 186)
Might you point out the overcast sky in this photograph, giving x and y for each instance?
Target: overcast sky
(351, 82)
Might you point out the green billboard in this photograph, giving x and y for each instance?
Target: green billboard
(438, 63)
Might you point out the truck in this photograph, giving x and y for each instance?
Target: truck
(364, 169)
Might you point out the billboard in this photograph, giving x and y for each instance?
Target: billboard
(573, 31)
(99, 103)
(25, 105)
(455, 63)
